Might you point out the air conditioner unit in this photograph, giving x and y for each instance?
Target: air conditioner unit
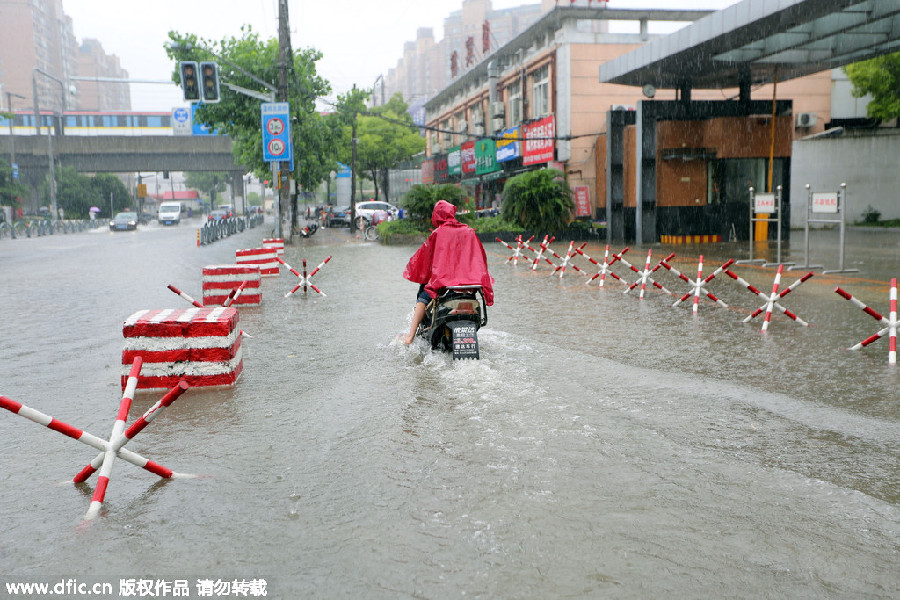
(806, 119)
(478, 130)
(497, 124)
(621, 107)
(462, 127)
(498, 109)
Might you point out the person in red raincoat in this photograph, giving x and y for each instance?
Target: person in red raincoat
(452, 255)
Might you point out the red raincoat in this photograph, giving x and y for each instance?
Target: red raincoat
(452, 255)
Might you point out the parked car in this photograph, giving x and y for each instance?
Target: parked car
(218, 215)
(124, 221)
(338, 216)
(145, 218)
(367, 209)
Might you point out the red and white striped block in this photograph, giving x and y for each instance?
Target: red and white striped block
(263, 257)
(277, 243)
(200, 345)
(220, 280)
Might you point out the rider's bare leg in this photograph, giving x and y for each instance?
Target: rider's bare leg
(418, 315)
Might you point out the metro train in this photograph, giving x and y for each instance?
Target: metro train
(91, 123)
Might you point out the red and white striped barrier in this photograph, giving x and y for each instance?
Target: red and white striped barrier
(605, 266)
(518, 250)
(645, 274)
(304, 278)
(698, 286)
(276, 243)
(109, 449)
(564, 261)
(200, 345)
(221, 280)
(772, 299)
(891, 323)
(262, 257)
(185, 296)
(539, 254)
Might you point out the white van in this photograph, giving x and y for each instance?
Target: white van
(170, 213)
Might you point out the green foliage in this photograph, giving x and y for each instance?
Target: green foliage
(495, 224)
(419, 201)
(540, 201)
(9, 188)
(879, 76)
(76, 193)
(203, 181)
(870, 216)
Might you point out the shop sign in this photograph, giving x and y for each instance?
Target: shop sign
(582, 201)
(508, 145)
(440, 168)
(467, 152)
(454, 161)
(485, 156)
(428, 171)
(539, 143)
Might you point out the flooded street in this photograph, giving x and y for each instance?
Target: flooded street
(604, 446)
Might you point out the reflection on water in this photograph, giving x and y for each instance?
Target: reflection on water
(603, 446)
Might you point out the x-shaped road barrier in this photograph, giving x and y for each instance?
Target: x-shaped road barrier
(645, 274)
(604, 267)
(518, 251)
(114, 447)
(570, 254)
(698, 286)
(539, 254)
(304, 278)
(890, 322)
(772, 299)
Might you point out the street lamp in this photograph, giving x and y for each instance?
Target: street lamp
(37, 123)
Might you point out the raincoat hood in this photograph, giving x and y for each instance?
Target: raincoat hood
(452, 255)
(443, 212)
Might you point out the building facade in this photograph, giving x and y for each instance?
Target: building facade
(538, 102)
(37, 34)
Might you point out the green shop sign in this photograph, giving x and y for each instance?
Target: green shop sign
(454, 161)
(485, 156)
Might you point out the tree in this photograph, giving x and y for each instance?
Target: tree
(11, 190)
(419, 201)
(540, 201)
(76, 193)
(387, 138)
(207, 182)
(880, 77)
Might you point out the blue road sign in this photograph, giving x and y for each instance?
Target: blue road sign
(276, 132)
(15, 170)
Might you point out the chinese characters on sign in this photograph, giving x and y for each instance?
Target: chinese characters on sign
(582, 201)
(825, 202)
(539, 142)
(467, 151)
(765, 203)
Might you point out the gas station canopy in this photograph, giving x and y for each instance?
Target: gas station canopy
(754, 40)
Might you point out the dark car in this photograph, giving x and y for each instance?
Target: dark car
(218, 215)
(124, 221)
(338, 216)
(145, 218)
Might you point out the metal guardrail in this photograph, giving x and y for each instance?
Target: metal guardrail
(215, 230)
(40, 227)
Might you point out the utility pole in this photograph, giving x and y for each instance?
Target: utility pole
(284, 55)
(353, 142)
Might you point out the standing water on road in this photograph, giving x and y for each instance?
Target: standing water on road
(603, 446)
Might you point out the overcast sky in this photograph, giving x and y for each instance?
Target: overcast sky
(360, 39)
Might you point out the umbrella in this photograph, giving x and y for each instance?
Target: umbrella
(94, 209)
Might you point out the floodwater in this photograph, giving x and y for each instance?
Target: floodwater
(604, 446)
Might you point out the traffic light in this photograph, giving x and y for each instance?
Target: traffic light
(209, 78)
(190, 84)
